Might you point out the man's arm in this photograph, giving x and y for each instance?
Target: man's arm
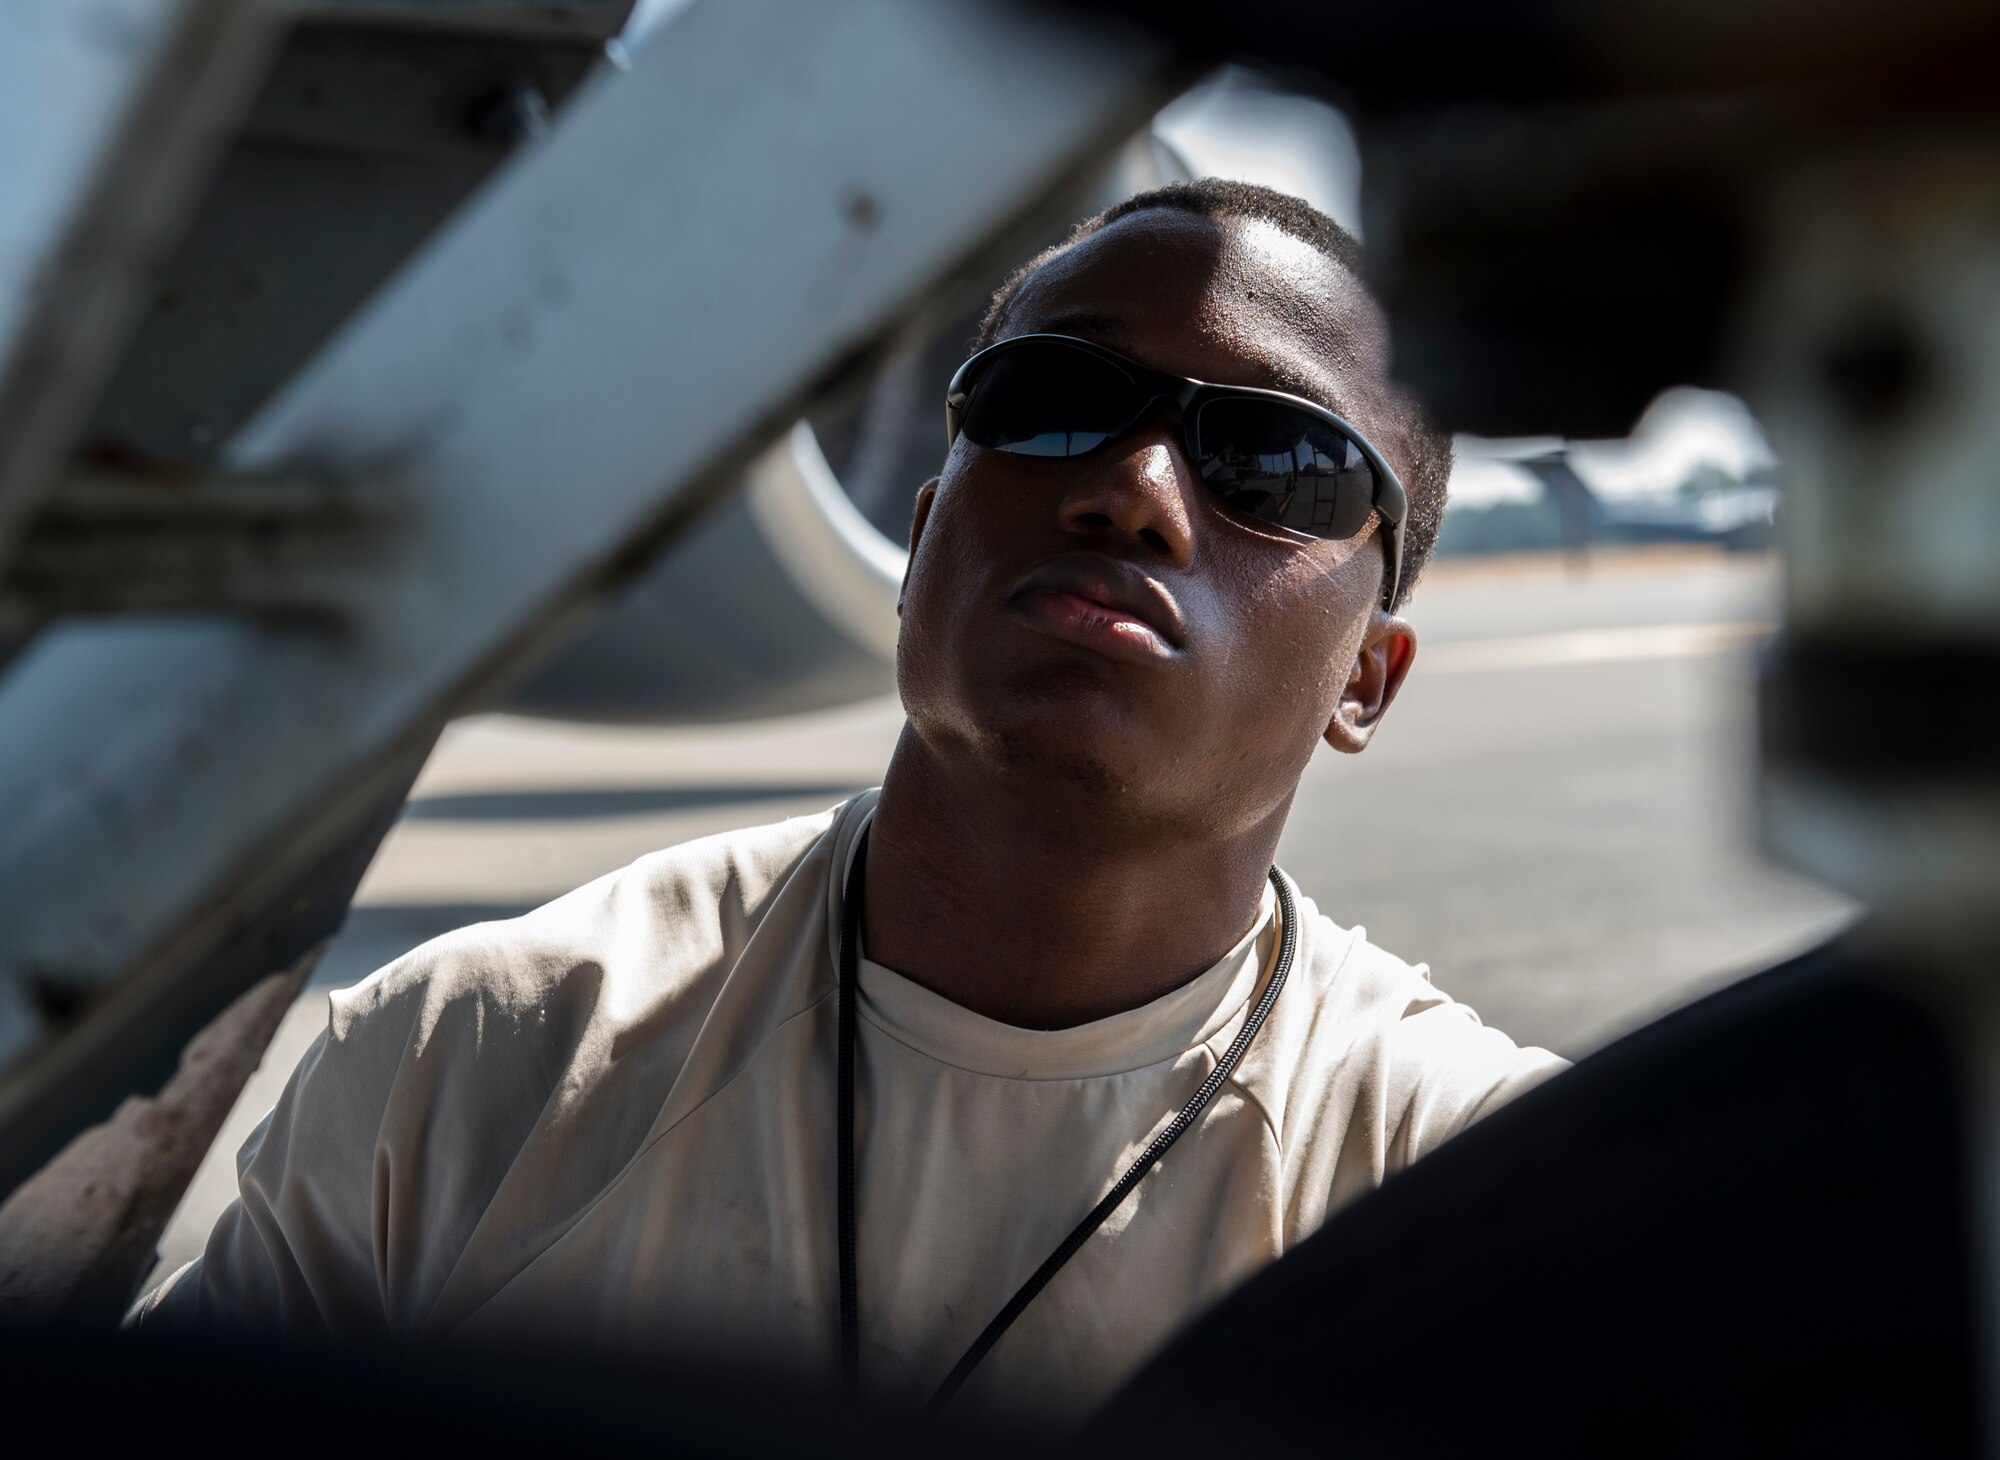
(1452, 1069)
(296, 1251)
(357, 1192)
(468, 1102)
(462, 1104)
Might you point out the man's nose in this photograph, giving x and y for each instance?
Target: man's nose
(1136, 488)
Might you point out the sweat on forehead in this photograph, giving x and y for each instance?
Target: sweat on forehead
(1235, 300)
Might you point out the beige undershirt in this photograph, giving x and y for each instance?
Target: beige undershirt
(609, 1124)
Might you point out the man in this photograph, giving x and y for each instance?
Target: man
(1134, 608)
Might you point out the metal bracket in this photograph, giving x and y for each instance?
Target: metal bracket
(289, 547)
(110, 116)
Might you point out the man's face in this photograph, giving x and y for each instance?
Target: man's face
(1204, 720)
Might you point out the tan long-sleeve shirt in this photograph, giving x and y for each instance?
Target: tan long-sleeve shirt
(610, 1123)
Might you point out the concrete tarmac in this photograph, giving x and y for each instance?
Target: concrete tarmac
(1555, 816)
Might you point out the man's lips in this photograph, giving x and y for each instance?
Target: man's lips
(1103, 604)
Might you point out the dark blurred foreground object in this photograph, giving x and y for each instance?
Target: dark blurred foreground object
(1745, 1230)
(237, 1395)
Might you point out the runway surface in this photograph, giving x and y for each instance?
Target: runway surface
(1556, 815)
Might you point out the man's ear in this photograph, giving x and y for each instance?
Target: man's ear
(1388, 650)
(926, 494)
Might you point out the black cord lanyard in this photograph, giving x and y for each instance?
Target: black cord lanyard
(850, 1306)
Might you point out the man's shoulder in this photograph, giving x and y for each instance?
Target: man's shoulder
(646, 929)
(1379, 1064)
(1424, 1039)
(488, 1086)
(1361, 978)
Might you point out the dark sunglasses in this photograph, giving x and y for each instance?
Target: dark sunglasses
(1271, 456)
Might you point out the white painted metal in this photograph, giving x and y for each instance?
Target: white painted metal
(110, 113)
(631, 305)
(66, 73)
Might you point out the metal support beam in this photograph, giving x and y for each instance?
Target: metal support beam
(561, 378)
(373, 124)
(110, 116)
(104, 543)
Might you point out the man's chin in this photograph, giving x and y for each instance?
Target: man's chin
(1080, 743)
(1063, 764)
(1068, 724)
(1099, 774)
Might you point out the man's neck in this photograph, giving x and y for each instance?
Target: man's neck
(1046, 915)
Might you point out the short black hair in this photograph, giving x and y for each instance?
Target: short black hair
(1423, 449)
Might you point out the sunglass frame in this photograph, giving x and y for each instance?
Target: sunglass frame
(1187, 393)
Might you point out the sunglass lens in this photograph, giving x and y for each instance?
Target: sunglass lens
(1048, 400)
(1280, 465)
